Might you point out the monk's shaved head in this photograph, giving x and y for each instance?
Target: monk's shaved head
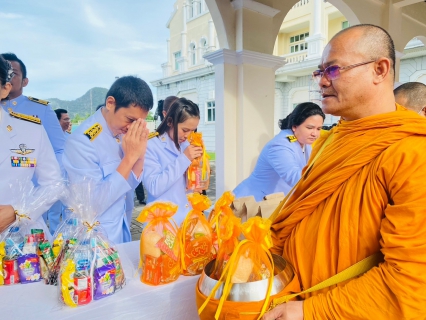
(411, 95)
(374, 42)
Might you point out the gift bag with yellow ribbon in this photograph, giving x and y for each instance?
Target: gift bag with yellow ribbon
(20, 241)
(159, 245)
(196, 236)
(221, 208)
(250, 264)
(229, 231)
(198, 172)
(90, 267)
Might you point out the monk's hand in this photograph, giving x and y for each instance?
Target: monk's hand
(292, 310)
(135, 141)
(7, 216)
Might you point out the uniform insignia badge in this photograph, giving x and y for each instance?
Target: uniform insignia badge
(44, 102)
(22, 149)
(93, 131)
(152, 135)
(23, 116)
(9, 128)
(117, 139)
(292, 138)
(23, 162)
(14, 103)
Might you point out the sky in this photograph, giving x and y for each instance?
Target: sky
(70, 46)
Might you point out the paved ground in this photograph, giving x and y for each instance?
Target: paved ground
(136, 227)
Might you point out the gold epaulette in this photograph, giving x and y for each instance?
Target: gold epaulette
(152, 135)
(45, 102)
(24, 116)
(292, 138)
(93, 131)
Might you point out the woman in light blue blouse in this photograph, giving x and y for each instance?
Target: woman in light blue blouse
(279, 166)
(170, 154)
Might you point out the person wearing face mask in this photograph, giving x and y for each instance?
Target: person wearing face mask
(24, 140)
(169, 155)
(281, 161)
(110, 146)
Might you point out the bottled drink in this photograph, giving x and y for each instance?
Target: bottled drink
(83, 258)
(14, 243)
(70, 229)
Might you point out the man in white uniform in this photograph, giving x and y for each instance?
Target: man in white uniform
(25, 153)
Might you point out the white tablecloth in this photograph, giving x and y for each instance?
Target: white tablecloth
(136, 301)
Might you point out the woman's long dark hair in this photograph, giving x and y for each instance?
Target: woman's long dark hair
(4, 68)
(181, 110)
(302, 112)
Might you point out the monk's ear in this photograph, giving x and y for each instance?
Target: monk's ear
(382, 69)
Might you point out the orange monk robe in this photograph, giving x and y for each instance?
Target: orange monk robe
(366, 192)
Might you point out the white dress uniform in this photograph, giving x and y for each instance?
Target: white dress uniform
(40, 109)
(25, 153)
(278, 168)
(164, 173)
(92, 151)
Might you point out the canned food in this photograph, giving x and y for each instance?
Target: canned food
(82, 289)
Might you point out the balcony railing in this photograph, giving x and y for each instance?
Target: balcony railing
(296, 57)
(300, 3)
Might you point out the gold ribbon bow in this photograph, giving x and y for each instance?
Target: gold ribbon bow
(89, 226)
(21, 216)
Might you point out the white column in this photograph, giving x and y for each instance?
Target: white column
(167, 66)
(245, 84)
(211, 44)
(183, 67)
(168, 52)
(316, 41)
(317, 17)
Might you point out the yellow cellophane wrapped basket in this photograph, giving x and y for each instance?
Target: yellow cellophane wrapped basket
(250, 261)
(196, 236)
(198, 172)
(221, 208)
(229, 231)
(159, 246)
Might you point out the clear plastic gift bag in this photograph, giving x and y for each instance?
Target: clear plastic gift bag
(198, 172)
(19, 243)
(196, 236)
(159, 245)
(90, 267)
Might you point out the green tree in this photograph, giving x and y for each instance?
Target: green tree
(150, 116)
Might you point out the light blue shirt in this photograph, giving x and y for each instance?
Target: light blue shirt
(164, 173)
(278, 168)
(16, 135)
(98, 159)
(48, 118)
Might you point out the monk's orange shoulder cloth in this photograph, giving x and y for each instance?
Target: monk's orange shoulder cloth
(366, 192)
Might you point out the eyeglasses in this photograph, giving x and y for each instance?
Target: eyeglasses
(333, 72)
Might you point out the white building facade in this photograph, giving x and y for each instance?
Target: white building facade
(305, 31)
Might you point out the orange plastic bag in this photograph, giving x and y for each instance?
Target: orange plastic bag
(250, 261)
(230, 229)
(221, 208)
(196, 236)
(198, 172)
(159, 246)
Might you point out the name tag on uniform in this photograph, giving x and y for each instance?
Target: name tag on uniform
(24, 162)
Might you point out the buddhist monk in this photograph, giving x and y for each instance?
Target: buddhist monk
(412, 95)
(364, 194)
